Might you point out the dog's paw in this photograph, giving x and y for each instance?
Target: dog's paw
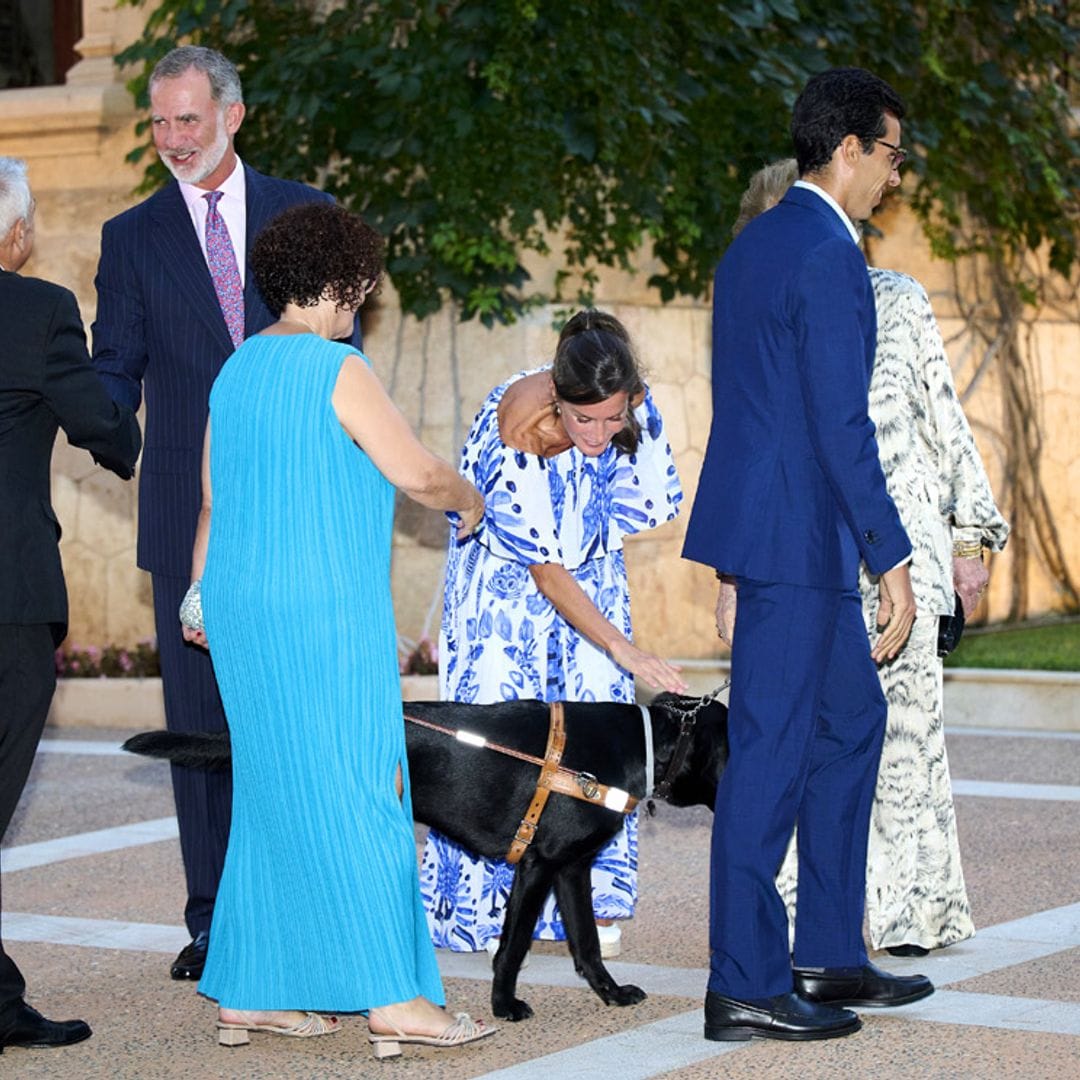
(625, 995)
(514, 1010)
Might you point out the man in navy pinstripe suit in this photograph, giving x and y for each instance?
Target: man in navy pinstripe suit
(161, 331)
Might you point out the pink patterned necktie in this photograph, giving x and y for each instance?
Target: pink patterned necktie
(223, 269)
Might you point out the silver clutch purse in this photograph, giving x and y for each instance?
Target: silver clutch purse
(191, 607)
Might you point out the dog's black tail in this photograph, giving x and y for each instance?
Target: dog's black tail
(195, 749)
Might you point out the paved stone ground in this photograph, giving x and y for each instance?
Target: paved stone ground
(92, 892)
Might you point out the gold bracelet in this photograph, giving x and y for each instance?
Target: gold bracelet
(967, 549)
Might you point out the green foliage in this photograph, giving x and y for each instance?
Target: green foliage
(471, 133)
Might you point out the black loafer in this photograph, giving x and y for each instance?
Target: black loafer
(30, 1029)
(785, 1016)
(867, 986)
(192, 959)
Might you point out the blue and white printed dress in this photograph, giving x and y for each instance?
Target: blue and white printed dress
(501, 639)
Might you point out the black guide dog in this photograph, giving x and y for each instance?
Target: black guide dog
(477, 797)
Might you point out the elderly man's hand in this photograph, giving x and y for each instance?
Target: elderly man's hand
(970, 579)
(725, 609)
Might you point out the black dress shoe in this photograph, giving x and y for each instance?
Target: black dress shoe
(785, 1016)
(30, 1029)
(907, 950)
(866, 986)
(192, 959)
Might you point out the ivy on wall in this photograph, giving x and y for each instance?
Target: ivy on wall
(474, 132)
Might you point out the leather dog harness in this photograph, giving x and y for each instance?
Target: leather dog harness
(553, 777)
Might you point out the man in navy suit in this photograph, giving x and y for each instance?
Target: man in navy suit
(791, 497)
(165, 324)
(46, 383)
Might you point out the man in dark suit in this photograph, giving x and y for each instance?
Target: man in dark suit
(173, 302)
(46, 382)
(791, 496)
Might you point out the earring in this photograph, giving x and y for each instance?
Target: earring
(555, 410)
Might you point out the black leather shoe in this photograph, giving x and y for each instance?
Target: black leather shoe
(907, 950)
(785, 1016)
(192, 959)
(867, 986)
(30, 1029)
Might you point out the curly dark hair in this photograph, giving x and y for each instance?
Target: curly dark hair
(595, 360)
(837, 103)
(312, 250)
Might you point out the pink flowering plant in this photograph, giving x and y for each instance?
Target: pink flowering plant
(110, 662)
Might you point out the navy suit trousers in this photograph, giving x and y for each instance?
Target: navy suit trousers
(27, 682)
(806, 723)
(203, 796)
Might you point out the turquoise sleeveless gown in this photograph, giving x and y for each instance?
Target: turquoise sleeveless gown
(319, 905)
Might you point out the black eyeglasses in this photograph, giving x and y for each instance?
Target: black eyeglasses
(898, 155)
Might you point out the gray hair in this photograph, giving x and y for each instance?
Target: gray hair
(766, 188)
(16, 203)
(225, 86)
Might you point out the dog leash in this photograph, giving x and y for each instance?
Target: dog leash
(684, 739)
(553, 776)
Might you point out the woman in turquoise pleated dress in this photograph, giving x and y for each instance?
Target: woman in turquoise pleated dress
(319, 906)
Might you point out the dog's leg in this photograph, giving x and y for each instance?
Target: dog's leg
(532, 882)
(573, 889)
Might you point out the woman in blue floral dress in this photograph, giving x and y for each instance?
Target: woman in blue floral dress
(570, 459)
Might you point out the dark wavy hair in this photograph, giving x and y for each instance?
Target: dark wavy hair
(594, 360)
(837, 103)
(312, 250)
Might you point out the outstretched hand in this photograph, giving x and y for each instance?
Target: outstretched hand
(896, 613)
(658, 673)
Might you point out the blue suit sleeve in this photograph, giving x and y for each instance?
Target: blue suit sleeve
(119, 335)
(835, 320)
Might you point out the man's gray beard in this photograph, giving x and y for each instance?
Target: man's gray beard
(216, 154)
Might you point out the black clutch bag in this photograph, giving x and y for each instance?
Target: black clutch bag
(950, 627)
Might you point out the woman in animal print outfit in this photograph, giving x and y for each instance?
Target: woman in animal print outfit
(915, 894)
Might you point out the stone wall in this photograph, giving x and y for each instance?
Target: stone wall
(75, 137)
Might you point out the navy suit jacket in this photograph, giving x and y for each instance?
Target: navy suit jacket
(159, 332)
(791, 488)
(46, 383)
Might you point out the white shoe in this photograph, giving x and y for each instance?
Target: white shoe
(610, 940)
(492, 947)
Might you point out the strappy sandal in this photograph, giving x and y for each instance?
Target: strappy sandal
(464, 1029)
(235, 1032)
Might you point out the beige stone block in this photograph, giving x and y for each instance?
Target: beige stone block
(416, 582)
(698, 396)
(670, 400)
(1056, 342)
(65, 500)
(71, 461)
(688, 464)
(668, 341)
(105, 522)
(87, 585)
(539, 336)
(129, 604)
